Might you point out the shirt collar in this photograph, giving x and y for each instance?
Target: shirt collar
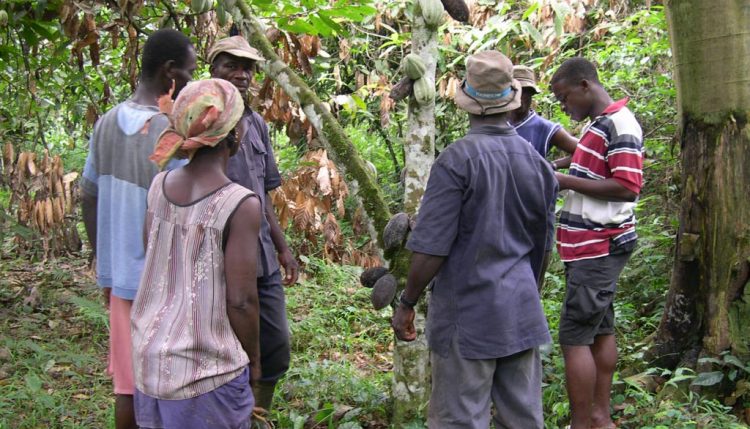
(616, 106)
(492, 129)
(528, 117)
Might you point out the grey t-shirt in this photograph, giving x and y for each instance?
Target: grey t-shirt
(488, 206)
(254, 167)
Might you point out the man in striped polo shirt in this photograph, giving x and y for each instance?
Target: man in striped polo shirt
(596, 235)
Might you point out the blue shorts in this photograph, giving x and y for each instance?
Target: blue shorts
(227, 407)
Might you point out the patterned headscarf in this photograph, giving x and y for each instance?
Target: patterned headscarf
(203, 114)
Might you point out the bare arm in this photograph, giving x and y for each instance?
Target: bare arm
(286, 259)
(566, 143)
(422, 270)
(89, 212)
(89, 209)
(607, 189)
(240, 269)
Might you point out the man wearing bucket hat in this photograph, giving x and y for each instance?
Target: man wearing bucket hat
(254, 167)
(542, 134)
(481, 232)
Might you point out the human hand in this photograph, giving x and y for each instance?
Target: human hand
(291, 268)
(403, 323)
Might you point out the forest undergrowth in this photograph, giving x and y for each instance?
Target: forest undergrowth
(53, 347)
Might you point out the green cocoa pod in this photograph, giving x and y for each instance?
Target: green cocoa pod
(3, 18)
(432, 12)
(229, 4)
(221, 15)
(395, 231)
(372, 275)
(200, 6)
(383, 292)
(414, 67)
(424, 91)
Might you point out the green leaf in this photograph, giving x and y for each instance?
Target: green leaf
(332, 24)
(534, 6)
(322, 26)
(301, 26)
(731, 359)
(558, 25)
(33, 382)
(529, 29)
(354, 13)
(708, 378)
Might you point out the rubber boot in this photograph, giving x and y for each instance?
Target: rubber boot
(263, 393)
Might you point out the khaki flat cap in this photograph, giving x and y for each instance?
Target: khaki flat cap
(236, 46)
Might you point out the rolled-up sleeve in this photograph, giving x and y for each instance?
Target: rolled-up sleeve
(439, 212)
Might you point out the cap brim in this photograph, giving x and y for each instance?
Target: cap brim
(525, 84)
(241, 53)
(473, 106)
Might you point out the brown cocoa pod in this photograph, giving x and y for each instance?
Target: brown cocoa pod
(395, 231)
(383, 292)
(402, 89)
(372, 275)
(457, 9)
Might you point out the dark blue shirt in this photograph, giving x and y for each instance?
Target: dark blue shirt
(254, 167)
(488, 207)
(537, 131)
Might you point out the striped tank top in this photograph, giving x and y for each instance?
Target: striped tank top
(183, 344)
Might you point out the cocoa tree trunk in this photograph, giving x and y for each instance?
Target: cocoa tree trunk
(708, 304)
(330, 132)
(411, 361)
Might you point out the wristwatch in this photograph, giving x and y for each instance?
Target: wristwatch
(402, 299)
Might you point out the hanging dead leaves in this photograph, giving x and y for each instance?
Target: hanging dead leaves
(43, 198)
(312, 200)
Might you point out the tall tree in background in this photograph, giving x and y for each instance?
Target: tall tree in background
(708, 305)
(411, 360)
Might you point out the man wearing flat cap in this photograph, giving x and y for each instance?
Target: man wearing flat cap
(481, 233)
(254, 167)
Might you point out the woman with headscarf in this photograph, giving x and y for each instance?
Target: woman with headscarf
(195, 317)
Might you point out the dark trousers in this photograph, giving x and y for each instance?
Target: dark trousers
(274, 328)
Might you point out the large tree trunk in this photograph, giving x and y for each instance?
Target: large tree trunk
(411, 361)
(708, 305)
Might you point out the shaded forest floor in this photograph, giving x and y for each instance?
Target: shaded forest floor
(53, 347)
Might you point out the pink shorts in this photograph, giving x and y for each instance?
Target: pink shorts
(120, 346)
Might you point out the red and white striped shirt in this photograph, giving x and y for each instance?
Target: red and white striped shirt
(611, 147)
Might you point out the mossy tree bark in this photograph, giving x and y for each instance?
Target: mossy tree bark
(411, 361)
(330, 132)
(708, 304)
